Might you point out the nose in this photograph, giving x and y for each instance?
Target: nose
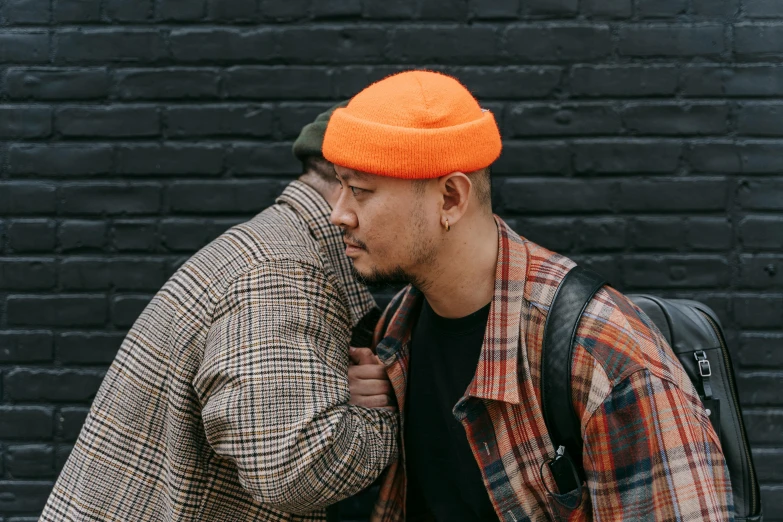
(342, 215)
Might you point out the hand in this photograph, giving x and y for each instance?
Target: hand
(368, 382)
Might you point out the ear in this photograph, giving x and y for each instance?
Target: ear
(455, 189)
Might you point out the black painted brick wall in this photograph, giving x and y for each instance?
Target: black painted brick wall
(644, 137)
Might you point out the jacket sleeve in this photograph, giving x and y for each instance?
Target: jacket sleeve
(274, 392)
(650, 454)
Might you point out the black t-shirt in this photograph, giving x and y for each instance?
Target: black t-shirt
(444, 480)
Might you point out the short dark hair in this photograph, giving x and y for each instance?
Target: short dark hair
(321, 167)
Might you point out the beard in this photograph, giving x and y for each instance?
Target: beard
(396, 277)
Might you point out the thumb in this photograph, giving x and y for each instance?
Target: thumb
(363, 356)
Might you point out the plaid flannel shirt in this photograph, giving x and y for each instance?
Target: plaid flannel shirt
(650, 452)
(228, 399)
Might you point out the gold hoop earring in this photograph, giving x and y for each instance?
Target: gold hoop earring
(447, 226)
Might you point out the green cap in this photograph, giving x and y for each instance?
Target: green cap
(311, 139)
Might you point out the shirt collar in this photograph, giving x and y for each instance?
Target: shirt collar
(315, 211)
(497, 373)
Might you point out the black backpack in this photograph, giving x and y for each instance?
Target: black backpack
(694, 333)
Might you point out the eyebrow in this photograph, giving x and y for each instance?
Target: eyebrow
(352, 175)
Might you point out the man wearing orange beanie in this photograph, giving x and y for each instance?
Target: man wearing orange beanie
(462, 344)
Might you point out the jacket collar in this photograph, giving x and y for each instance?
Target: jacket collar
(315, 211)
(497, 373)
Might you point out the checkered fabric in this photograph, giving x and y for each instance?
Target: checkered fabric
(650, 452)
(228, 399)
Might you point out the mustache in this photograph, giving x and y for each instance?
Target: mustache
(354, 240)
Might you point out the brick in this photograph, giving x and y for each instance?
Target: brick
(761, 80)
(109, 198)
(62, 452)
(258, 82)
(219, 120)
(768, 463)
(705, 233)
(69, 11)
(232, 10)
(125, 309)
(27, 274)
(24, 46)
(27, 198)
(27, 122)
(671, 40)
(607, 9)
(761, 194)
(558, 120)
(602, 234)
(762, 9)
(59, 385)
(721, 9)
(553, 233)
(620, 157)
(289, 118)
(762, 271)
(109, 45)
(32, 235)
(760, 119)
(56, 310)
(190, 235)
(81, 274)
(673, 195)
(349, 80)
(70, 421)
(762, 232)
(623, 81)
(657, 233)
(25, 346)
(87, 347)
(57, 84)
(675, 271)
(758, 40)
(760, 388)
(180, 10)
(537, 196)
(222, 45)
(493, 9)
(522, 157)
(26, 422)
(761, 350)
(757, 311)
(77, 235)
(510, 82)
(339, 45)
(173, 83)
(135, 236)
(676, 119)
(558, 43)
(444, 45)
(336, 9)
(31, 461)
(60, 159)
(401, 10)
(443, 10)
(25, 12)
(23, 497)
(285, 10)
(266, 158)
(170, 158)
(223, 197)
(109, 122)
(606, 266)
(661, 8)
(123, 11)
(551, 9)
(761, 157)
(715, 157)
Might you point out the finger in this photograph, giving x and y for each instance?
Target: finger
(373, 401)
(367, 371)
(369, 388)
(363, 356)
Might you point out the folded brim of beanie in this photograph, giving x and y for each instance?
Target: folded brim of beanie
(411, 153)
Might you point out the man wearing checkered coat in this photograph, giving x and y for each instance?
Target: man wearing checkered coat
(229, 398)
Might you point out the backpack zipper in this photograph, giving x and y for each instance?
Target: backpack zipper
(733, 392)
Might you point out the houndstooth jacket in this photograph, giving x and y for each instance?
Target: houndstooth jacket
(228, 399)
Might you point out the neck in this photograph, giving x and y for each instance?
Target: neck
(464, 272)
(329, 191)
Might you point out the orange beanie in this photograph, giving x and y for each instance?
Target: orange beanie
(414, 125)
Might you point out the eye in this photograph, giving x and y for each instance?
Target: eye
(356, 190)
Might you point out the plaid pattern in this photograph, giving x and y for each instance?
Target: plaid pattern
(228, 398)
(650, 452)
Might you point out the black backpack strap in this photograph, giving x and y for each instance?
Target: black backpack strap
(571, 298)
